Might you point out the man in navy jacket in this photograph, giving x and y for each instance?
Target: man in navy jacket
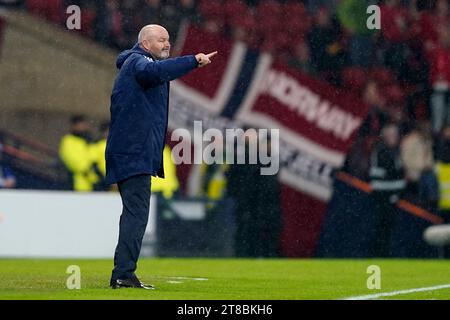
(134, 151)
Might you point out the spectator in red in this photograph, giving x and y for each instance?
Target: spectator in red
(88, 19)
(212, 14)
(242, 29)
(394, 22)
(440, 80)
(432, 21)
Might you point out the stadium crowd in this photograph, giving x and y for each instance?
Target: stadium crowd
(401, 71)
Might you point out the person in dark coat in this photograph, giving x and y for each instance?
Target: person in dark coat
(134, 150)
(387, 179)
(257, 209)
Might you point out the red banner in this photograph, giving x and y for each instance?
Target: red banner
(317, 123)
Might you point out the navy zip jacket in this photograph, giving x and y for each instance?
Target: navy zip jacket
(139, 113)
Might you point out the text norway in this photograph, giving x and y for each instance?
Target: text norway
(309, 105)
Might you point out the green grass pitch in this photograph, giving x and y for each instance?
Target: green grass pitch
(228, 279)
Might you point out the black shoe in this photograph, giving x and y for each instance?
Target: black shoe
(130, 283)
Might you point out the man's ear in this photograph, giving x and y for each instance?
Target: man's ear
(144, 44)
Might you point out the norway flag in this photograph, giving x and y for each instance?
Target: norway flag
(317, 123)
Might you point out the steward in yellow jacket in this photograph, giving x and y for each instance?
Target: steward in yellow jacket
(98, 157)
(75, 152)
(169, 185)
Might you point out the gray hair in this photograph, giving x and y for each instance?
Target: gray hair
(147, 31)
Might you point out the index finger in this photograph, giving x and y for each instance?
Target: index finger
(212, 54)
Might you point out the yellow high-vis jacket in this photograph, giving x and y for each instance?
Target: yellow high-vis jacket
(98, 155)
(443, 175)
(76, 155)
(169, 184)
(215, 183)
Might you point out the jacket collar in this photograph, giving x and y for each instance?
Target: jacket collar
(138, 48)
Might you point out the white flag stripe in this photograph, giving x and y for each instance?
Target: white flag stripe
(216, 104)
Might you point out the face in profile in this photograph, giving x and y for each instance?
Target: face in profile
(158, 43)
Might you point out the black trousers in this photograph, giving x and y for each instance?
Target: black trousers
(135, 193)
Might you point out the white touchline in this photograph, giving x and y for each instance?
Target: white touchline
(189, 278)
(182, 278)
(395, 293)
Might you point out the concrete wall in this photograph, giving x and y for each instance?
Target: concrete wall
(48, 73)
